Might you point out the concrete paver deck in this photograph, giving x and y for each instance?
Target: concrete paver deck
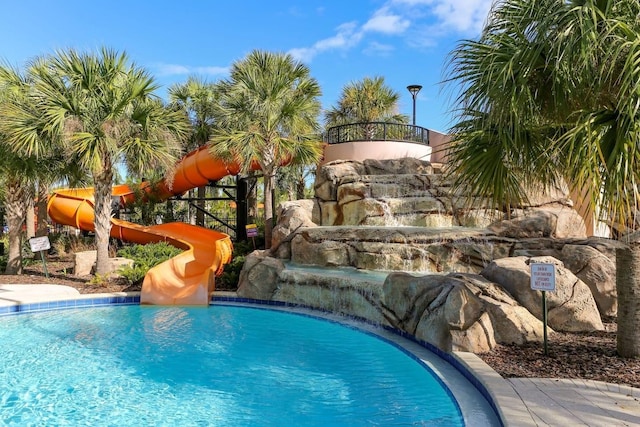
(27, 294)
(577, 402)
(556, 402)
(520, 402)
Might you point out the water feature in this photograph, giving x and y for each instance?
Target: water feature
(405, 248)
(366, 215)
(218, 366)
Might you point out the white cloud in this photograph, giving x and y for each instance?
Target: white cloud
(176, 69)
(171, 69)
(383, 21)
(211, 70)
(426, 20)
(378, 49)
(461, 16)
(347, 35)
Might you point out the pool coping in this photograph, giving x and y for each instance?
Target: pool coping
(501, 396)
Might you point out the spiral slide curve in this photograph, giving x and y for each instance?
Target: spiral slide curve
(187, 279)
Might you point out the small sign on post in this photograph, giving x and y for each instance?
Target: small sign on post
(543, 278)
(41, 244)
(252, 231)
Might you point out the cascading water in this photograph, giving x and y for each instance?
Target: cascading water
(339, 290)
(388, 219)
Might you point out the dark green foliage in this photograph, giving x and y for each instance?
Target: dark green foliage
(229, 279)
(145, 257)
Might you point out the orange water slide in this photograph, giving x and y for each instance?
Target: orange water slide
(187, 279)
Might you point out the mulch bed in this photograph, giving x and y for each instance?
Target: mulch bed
(589, 356)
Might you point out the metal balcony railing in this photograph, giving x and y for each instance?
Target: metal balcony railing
(377, 131)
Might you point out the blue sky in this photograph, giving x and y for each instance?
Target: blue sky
(405, 41)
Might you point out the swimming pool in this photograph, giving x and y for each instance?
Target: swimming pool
(223, 366)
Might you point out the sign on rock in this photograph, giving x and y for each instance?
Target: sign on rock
(543, 277)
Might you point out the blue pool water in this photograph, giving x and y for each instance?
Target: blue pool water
(221, 366)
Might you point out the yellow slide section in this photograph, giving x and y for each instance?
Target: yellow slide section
(187, 279)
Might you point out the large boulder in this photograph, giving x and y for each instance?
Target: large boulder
(328, 176)
(457, 312)
(291, 217)
(259, 276)
(554, 220)
(571, 307)
(597, 271)
(439, 310)
(512, 323)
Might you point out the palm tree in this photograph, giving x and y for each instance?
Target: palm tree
(16, 178)
(28, 174)
(104, 111)
(366, 101)
(548, 91)
(268, 115)
(197, 98)
(294, 180)
(18, 171)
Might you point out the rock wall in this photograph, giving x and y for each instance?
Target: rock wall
(455, 312)
(438, 250)
(409, 192)
(454, 271)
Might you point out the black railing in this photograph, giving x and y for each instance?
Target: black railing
(377, 131)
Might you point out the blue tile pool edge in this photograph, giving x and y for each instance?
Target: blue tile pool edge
(134, 299)
(37, 307)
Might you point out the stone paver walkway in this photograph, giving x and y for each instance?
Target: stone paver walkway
(527, 402)
(576, 402)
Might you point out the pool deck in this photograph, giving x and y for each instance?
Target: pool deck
(521, 402)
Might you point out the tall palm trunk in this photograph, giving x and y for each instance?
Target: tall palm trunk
(300, 187)
(628, 288)
(30, 220)
(191, 218)
(202, 193)
(269, 186)
(252, 199)
(102, 221)
(168, 213)
(15, 210)
(42, 226)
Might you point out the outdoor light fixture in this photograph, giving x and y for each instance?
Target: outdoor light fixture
(414, 89)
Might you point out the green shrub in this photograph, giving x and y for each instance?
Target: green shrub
(228, 281)
(145, 257)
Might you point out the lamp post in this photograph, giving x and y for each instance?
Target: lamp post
(414, 89)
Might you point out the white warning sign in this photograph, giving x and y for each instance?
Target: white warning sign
(543, 276)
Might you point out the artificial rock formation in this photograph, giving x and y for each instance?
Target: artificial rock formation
(571, 307)
(454, 312)
(407, 192)
(350, 250)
